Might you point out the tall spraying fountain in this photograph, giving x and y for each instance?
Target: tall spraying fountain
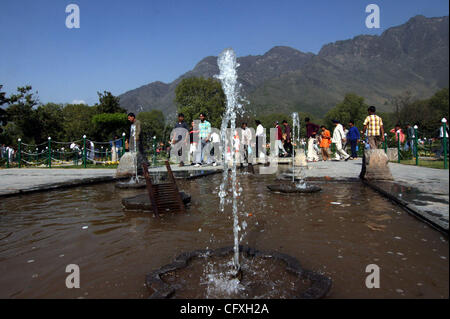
(133, 150)
(228, 77)
(295, 125)
(234, 278)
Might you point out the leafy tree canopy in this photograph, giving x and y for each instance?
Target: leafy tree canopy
(152, 124)
(108, 125)
(352, 107)
(198, 95)
(21, 111)
(108, 103)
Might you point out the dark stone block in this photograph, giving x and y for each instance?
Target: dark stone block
(320, 285)
(291, 188)
(142, 201)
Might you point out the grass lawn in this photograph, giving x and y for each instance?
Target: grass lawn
(426, 163)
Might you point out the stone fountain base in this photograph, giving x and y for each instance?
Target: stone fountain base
(132, 185)
(142, 202)
(313, 285)
(292, 188)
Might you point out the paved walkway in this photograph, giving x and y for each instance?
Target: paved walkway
(24, 180)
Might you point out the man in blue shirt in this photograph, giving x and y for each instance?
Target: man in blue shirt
(353, 137)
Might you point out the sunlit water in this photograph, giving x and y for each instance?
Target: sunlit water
(228, 77)
(336, 232)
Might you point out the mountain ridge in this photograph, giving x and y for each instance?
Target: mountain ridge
(412, 56)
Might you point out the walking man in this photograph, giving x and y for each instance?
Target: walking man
(375, 129)
(353, 137)
(339, 139)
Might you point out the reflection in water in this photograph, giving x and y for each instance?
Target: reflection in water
(40, 234)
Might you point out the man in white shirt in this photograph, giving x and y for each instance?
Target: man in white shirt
(339, 138)
(260, 141)
(215, 148)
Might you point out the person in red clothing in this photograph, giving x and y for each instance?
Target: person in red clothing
(278, 143)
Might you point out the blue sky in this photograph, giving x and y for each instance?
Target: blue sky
(122, 45)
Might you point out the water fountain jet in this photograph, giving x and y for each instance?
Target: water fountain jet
(242, 281)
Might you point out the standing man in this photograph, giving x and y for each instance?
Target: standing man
(180, 138)
(136, 144)
(410, 136)
(204, 135)
(260, 141)
(353, 137)
(339, 139)
(278, 144)
(375, 129)
(287, 138)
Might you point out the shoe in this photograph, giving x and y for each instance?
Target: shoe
(214, 164)
(347, 158)
(197, 165)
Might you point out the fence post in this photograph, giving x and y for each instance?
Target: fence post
(430, 142)
(123, 144)
(7, 158)
(49, 152)
(84, 151)
(398, 146)
(416, 144)
(444, 140)
(154, 151)
(20, 158)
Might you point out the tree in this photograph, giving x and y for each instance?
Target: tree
(152, 124)
(108, 103)
(21, 111)
(427, 114)
(400, 102)
(198, 95)
(77, 121)
(107, 125)
(3, 113)
(352, 107)
(50, 117)
(439, 103)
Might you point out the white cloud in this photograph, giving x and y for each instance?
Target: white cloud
(78, 102)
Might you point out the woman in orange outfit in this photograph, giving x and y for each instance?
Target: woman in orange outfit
(325, 142)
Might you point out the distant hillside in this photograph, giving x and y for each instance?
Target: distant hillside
(412, 56)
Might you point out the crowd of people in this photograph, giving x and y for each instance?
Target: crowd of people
(346, 137)
(199, 142)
